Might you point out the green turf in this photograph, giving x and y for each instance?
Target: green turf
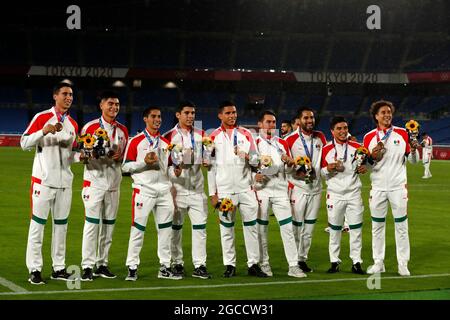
(429, 220)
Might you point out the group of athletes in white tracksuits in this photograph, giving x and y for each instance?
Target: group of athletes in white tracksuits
(171, 190)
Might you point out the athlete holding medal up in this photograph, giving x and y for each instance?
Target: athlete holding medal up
(389, 146)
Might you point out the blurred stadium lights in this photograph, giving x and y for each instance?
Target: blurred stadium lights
(137, 83)
(68, 81)
(170, 85)
(118, 84)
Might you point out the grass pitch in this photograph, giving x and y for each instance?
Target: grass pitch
(429, 220)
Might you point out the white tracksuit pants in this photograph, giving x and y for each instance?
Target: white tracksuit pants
(426, 159)
(162, 207)
(305, 210)
(378, 203)
(196, 206)
(248, 207)
(43, 200)
(100, 216)
(352, 210)
(281, 207)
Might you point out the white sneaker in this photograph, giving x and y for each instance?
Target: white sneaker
(266, 269)
(296, 272)
(403, 270)
(376, 268)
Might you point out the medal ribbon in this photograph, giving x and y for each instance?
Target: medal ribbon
(345, 153)
(151, 141)
(386, 136)
(61, 117)
(269, 141)
(182, 138)
(103, 127)
(309, 154)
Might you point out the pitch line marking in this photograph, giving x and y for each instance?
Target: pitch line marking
(12, 286)
(250, 284)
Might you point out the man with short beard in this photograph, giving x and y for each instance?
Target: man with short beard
(305, 196)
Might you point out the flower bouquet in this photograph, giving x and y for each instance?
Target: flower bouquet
(266, 166)
(86, 143)
(176, 153)
(412, 127)
(361, 156)
(101, 145)
(225, 206)
(208, 149)
(304, 168)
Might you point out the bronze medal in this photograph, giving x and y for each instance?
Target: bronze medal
(58, 126)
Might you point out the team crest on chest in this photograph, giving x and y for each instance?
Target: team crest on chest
(396, 142)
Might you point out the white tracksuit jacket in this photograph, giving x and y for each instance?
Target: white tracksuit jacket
(296, 147)
(54, 152)
(149, 182)
(276, 185)
(191, 179)
(390, 173)
(104, 173)
(344, 185)
(230, 174)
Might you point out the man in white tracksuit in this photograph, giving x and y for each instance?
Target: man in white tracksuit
(427, 154)
(146, 158)
(188, 186)
(53, 133)
(344, 200)
(230, 177)
(271, 188)
(305, 197)
(101, 190)
(389, 147)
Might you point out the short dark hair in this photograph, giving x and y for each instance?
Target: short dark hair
(424, 134)
(293, 121)
(185, 103)
(335, 120)
(226, 103)
(264, 113)
(301, 109)
(375, 107)
(287, 122)
(148, 110)
(105, 95)
(60, 85)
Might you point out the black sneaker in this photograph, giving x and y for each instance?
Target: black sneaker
(167, 273)
(36, 278)
(304, 266)
(104, 272)
(87, 275)
(334, 267)
(61, 275)
(201, 273)
(178, 270)
(255, 270)
(230, 271)
(356, 268)
(132, 275)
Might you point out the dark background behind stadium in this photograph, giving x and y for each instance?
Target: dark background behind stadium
(189, 43)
